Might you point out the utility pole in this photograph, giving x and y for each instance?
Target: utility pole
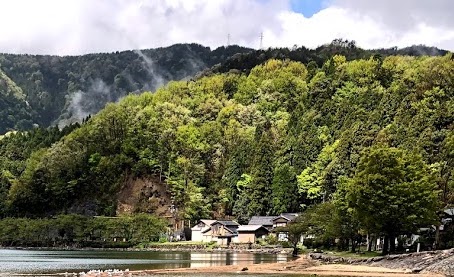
(228, 39)
(261, 40)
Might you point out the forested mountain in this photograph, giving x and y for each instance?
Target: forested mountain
(316, 57)
(278, 139)
(51, 90)
(48, 90)
(14, 109)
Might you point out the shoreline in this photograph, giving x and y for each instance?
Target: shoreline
(431, 263)
(301, 266)
(262, 250)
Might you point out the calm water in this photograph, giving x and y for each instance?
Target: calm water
(48, 262)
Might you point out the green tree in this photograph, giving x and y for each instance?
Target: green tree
(392, 192)
(262, 173)
(242, 209)
(285, 195)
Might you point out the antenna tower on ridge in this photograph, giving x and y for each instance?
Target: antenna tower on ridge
(261, 40)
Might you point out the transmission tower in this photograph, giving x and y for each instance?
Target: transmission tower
(261, 40)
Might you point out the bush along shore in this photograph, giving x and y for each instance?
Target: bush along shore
(440, 262)
(175, 247)
(77, 231)
(238, 248)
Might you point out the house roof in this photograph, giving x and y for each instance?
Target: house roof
(230, 225)
(250, 228)
(233, 230)
(226, 222)
(206, 230)
(261, 220)
(288, 216)
(207, 222)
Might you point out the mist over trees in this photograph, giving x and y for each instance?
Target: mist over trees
(48, 90)
(64, 90)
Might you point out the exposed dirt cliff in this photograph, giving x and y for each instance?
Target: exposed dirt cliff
(148, 195)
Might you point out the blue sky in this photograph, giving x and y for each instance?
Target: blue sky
(307, 7)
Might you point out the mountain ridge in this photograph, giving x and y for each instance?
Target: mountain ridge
(66, 89)
(61, 90)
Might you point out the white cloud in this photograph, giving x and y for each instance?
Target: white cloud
(325, 26)
(82, 26)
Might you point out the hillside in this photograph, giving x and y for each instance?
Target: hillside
(277, 139)
(14, 109)
(63, 90)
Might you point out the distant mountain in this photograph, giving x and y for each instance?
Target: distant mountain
(247, 60)
(47, 90)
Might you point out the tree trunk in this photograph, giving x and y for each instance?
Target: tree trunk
(385, 246)
(437, 238)
(295, 250)
(353, 245)
(370, 240)
(392, 244)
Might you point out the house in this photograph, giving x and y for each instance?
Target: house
(223, 232)
(265, 221)
(198, 232)
(250, 233)
(282, 221)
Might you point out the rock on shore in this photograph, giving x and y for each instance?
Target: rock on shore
(441, 262)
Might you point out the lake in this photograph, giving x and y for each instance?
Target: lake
(47, 262)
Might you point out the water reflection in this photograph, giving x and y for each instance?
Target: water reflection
(29, 261)
(218, 259)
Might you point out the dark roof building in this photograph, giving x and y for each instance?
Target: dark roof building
(228, 222)
(265, 221)
(229, 225)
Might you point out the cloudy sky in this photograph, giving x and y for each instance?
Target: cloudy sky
(69, 27)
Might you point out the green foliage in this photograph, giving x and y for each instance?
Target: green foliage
(82, 231)
(44, 89)
(315, 181)
(15, 112)
(284, 190)
(283, 138)
(392, 192)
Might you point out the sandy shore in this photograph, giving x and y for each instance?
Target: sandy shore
(300, 266)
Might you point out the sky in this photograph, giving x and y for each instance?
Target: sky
(72, 27)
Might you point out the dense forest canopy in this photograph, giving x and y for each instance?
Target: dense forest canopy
(49, 90)
(279, 139)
